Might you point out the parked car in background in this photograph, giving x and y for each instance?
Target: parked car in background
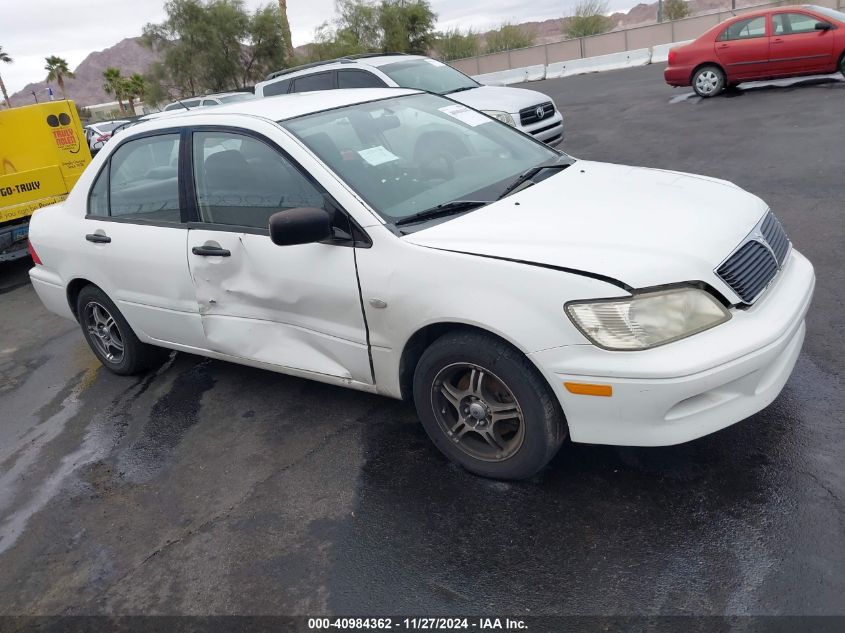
(783, 42)
(209, 100)
(98, 133)
(515, 294)
(527, 110)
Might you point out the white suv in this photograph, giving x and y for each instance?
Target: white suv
(527, 110)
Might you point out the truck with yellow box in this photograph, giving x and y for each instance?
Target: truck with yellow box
(43, 152)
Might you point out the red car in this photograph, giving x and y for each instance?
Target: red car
(782, 42)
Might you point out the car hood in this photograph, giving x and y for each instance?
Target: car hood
(501, 98)
(642, 227)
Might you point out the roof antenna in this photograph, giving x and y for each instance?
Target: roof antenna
(179, 101)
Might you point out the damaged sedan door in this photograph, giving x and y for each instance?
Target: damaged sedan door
(294, 307)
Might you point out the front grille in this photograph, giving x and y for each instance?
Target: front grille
(774, 234)
(545, 128)
(527, 116)
(750, 269)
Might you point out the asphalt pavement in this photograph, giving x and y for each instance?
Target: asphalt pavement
(211, 488)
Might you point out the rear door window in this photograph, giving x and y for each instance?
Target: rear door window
(317, 81)
(277, 88)
(745, 29)
(140, 182)
(358, 79)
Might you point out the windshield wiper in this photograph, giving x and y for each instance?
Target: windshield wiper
(528, 174)
(461, 89)
(442, 210)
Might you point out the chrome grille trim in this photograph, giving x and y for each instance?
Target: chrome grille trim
(756, 262)
(527, 116)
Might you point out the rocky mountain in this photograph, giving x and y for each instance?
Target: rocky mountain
(87, 88)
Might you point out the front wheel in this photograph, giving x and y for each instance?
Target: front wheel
(486, 407)
(708, 81)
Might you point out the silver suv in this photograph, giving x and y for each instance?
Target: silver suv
(527, 110)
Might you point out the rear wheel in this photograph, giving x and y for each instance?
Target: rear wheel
(110, 337)
(486, 407)
(708, 81)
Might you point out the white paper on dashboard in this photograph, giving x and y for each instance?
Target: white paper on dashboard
(465, 115)
(377, 155)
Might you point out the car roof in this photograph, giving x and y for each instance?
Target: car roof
(368, 59)
(282, 107)
(771, 10)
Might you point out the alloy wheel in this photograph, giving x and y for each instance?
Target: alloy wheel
(104, 332)
(706, 82)
(478, 412)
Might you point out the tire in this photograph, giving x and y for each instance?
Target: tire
(111, 338)
(842, 64)
(486, 407)
(708, 81)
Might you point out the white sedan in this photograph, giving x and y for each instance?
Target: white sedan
(515, 294)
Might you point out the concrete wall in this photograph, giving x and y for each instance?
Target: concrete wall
(502, 67)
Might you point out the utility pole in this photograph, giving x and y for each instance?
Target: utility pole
(660, 10)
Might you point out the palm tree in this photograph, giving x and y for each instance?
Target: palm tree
(114, 85)
(4, 57)
(138, 85)
(283, 9)
(127, 89)
(57, 70)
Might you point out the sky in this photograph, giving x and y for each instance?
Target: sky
(30, 30)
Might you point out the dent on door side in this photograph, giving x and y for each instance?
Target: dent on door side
(242, 311)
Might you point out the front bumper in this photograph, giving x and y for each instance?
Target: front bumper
(693, 387)
(549, 131)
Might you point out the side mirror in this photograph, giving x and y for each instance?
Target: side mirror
(301, 225)
(823, 26)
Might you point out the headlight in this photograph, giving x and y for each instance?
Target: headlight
(647, 320)
(504, 117)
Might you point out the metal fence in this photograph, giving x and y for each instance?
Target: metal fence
(635, 38)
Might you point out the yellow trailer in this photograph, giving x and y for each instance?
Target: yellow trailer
(43, 151)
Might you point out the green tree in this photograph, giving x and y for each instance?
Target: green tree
(266, 47)
(214, 45)
(361, 26)
(113, 85)
(453, 44)
(4, 57)
(675, 9)
(57, 70)
(506, 38)
(589, 18)
(407, 26)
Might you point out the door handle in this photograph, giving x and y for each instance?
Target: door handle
(210, 251)
(723, 46)
(777, 41)
(98, 238)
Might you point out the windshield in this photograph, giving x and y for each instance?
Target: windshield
(407, 154)
(427, 74)
(830, 13)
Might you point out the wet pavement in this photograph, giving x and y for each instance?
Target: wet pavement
(210, 488)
